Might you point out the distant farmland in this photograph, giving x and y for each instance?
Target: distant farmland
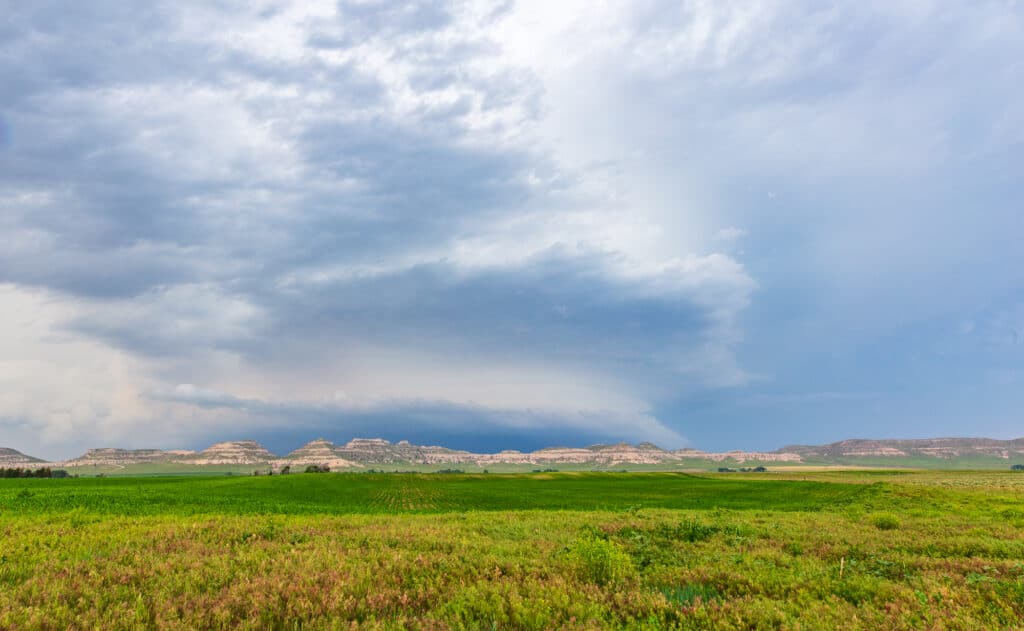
(580, 550)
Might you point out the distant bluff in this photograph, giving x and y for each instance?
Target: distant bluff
(230, 452)
(14, 458)
(363, 452)
(941, 448)
(233, 452)
(372, 452)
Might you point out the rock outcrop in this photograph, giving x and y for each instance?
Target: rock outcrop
(233, 452)
(319, 452)
(380, 451)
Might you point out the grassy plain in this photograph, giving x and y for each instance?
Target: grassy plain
(837, 549)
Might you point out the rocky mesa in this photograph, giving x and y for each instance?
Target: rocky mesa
(233, 452)
(319, 452)
(106, 456)
(230, 452)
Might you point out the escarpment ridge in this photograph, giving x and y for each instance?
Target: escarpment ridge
(360, 453)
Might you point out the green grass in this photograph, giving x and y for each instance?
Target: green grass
(896, 550)
(381, 493)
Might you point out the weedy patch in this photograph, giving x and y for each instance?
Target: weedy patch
(895, 570)
(885, 521)
(691, 594)
(600, 561)
(860, 589)
(693, 530)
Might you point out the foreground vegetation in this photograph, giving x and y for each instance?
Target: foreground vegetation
(849, 550)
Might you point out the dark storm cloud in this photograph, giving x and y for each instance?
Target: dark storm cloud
(412, 186)
(283, 427)
(108, 194)
(233, 193)
(204, 194)
(554, 308)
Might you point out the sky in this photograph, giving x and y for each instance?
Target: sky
(722, 225)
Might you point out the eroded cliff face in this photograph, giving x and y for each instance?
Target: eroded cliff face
(319, 452)
(233, 452)
(378, 450)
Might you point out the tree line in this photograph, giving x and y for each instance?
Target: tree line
(42, 472)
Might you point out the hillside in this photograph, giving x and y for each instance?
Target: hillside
(242, 452)
(111, 456)
(14, 458)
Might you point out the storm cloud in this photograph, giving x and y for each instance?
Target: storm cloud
(505, 225)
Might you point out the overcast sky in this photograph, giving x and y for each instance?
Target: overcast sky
(728, 225)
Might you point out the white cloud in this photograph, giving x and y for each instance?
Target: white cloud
(58, 389)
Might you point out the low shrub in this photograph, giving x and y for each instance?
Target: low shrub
(600, 561)
(693, 530)
(857, 590)
(885, 521)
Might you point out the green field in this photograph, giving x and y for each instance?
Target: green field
(859, 549)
